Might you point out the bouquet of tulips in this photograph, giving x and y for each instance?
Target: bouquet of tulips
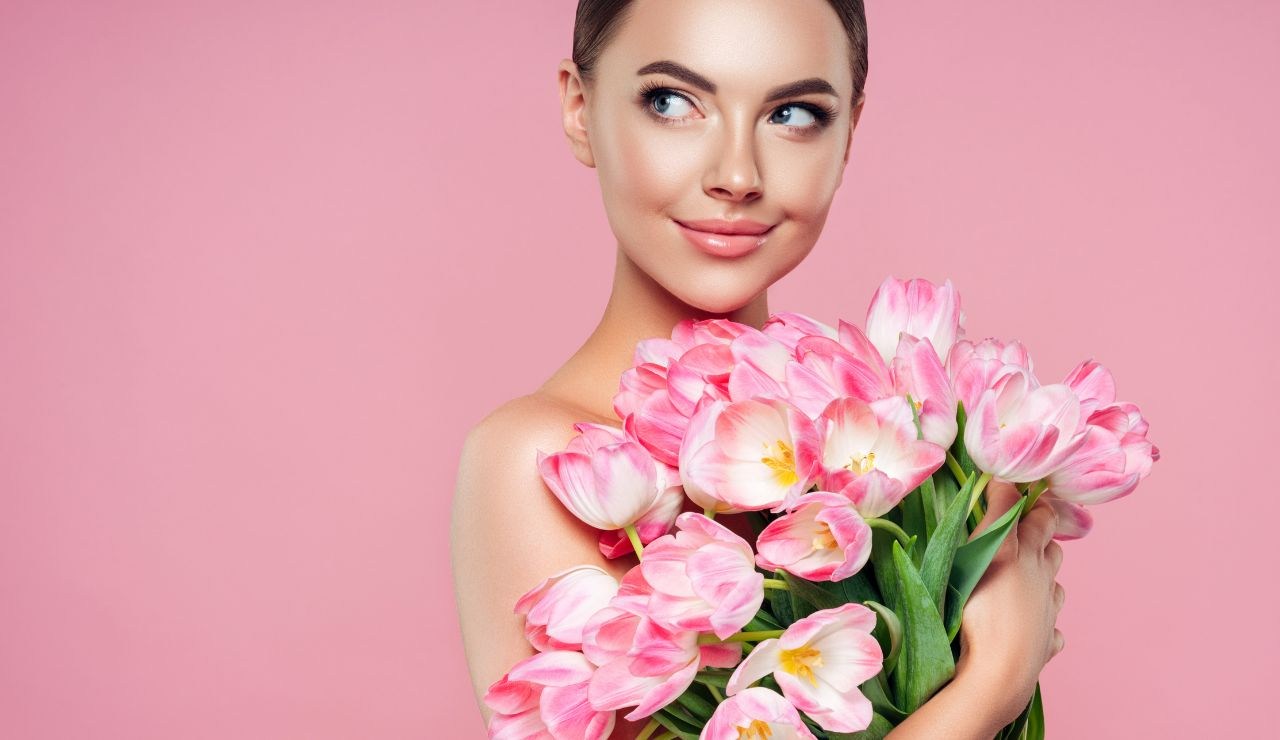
(860, 459)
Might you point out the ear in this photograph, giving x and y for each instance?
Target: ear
(573, 108)
(853, 123)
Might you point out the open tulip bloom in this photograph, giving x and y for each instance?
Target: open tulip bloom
(859, 459)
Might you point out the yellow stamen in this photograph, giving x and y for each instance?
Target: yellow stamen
(801, 662)
(783, 463)
(822, 538)
(757, 730)
(862, 465)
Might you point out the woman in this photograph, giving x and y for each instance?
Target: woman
(702, 117)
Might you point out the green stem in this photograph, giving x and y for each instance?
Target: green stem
(777, 583)
(956, 470)
(891, 528)
(977, 489)
(1033, 492)
(666, 735)
(634, 536)
(649, 729)
(755, 636)
(709, 513)
(715, 692)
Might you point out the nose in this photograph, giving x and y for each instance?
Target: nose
(733, 173)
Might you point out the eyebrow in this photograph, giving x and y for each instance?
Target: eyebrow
(791, 89)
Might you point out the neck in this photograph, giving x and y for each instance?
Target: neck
(638, 308)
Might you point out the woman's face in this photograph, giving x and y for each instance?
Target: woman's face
(688, 120)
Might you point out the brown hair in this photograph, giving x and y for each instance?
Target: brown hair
(597, 22)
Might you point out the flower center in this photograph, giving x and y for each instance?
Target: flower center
(782, 463)
(757, 730)
(862, 464)
(801, 662)
(822, 537)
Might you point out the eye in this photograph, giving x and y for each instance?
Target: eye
(669, 103)
(792, 114)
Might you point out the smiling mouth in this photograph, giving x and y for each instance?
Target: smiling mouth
(728, 239)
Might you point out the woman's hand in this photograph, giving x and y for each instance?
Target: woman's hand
(1007, 634)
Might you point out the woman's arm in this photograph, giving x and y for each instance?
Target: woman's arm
(1007, 634)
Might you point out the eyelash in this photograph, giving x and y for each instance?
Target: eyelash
(822, 114)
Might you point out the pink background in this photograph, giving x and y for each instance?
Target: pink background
(262, 264)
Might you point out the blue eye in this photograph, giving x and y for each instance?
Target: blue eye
(667, 103)
(798, 115)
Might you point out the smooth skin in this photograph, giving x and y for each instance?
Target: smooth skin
(691, 153)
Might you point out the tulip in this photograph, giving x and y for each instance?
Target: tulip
(651, 525)
(870, 452)
(823, 538)
(973, 368)
(917, 370)
(916, 307)
(819, 662)
(1093, 384)
(643, 664)
(790, 327)
(703, 578)
(756, 713)
(605, 478)
(545, 696)
(748, 455)
(1022, 433)
(556, 609)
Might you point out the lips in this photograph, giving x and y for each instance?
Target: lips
(720, 238)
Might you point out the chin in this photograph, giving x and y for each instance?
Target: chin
(720, 297)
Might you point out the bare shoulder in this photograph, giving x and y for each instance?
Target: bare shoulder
(508, 530)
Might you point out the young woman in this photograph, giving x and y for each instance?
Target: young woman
(704, 118)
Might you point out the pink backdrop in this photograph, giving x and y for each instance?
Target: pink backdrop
(253, 253)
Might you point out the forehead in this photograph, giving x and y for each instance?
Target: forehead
(741, 45)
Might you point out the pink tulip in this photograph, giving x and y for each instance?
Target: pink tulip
(556, 609)
(642, 664)
(1023, 433)
(756, 713)
(823, 538)
(605, 478)
(819, 662)
(916, 307)
(703, 578)
(1093, 384)
(748, 455)
(870, 452)
(651, 525)
(1074, 520)
(790, 327)
(973, 368)
(917, 370)
(545, 696)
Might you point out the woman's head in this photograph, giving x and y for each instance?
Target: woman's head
(689, 111)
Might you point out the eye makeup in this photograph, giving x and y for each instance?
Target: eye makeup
(651, 90)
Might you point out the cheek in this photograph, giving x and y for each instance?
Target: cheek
(646, 169)
(802, 178)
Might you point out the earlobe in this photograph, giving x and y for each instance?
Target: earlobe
(573, 105)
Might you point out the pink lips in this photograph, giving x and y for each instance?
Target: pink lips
(720, 238)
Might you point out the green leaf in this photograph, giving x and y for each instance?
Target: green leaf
(780, 605)
(973, 557)
(913, 520)
(682, 729)
(1035, 719)
(762, 621)
(892, 627)
(929, 501)
(698, 705)
(813, 594)
(876, 689)
(882, 566)
(925, 663)
(954, 609)
(958, 449)
(942, 547)
(877, 730)
(857, 588)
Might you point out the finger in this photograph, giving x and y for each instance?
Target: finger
(1038, 525)
(1001, 496)
(1053, 555)
(1059, 642)
(1059, 597)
